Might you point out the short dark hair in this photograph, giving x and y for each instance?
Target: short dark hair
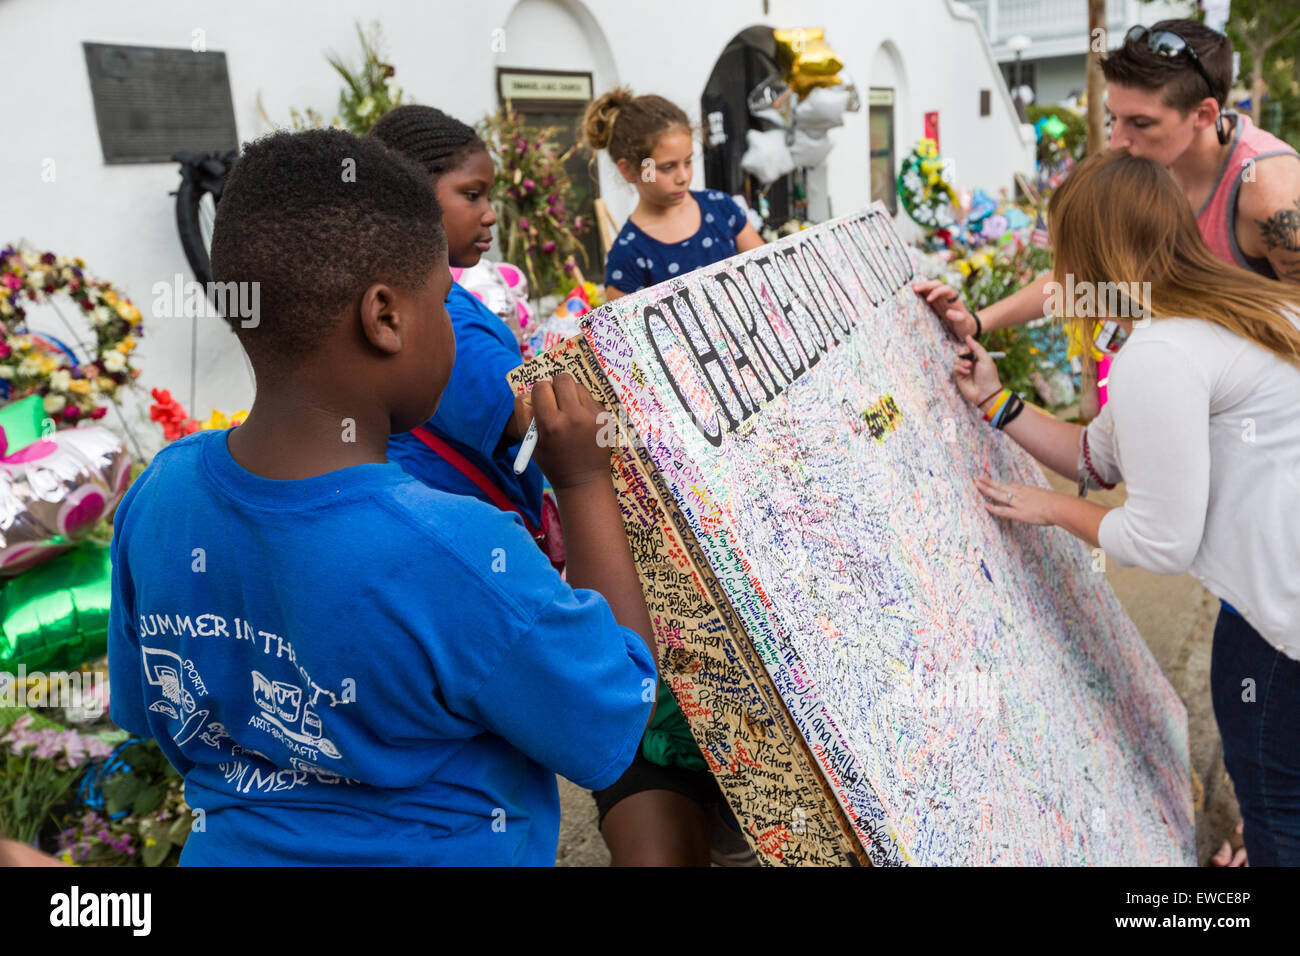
(429, 136)
(315, 218)
(1133, 64)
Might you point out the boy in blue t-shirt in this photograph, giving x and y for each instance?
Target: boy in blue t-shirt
(347, 666)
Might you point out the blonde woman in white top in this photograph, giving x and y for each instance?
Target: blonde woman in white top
(1203, 426)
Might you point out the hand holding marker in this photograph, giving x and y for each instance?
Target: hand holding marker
(526, 447)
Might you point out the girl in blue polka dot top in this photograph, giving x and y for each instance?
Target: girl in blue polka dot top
(666, 809)
(673, 228)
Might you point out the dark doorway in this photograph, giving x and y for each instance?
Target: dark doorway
(746, 61)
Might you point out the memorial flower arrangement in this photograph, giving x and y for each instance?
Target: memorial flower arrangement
(369, 91)
(925, 187)
(40, 764)
(83, 790)
(176, 422)
(533, 199)
(36, 364)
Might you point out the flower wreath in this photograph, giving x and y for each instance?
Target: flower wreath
(924, 187)
(33, 364)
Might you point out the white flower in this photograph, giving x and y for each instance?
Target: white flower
(394, 91)
(54, 403)
(366, 106)
(29, 367)
(114, 361)
(100, 315)
(60, 379)
(6, 371)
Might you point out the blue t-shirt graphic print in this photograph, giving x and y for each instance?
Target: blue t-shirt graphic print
(356, 668)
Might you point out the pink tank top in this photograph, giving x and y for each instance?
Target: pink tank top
(1218, 217)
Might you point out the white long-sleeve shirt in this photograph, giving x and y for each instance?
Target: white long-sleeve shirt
(1203, 426)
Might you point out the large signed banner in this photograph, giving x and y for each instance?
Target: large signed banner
(874, 667)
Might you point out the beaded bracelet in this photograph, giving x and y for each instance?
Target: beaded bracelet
(1087, 461)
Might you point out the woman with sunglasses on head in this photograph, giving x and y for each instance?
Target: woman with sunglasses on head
(1167, 86)
(1202, 427)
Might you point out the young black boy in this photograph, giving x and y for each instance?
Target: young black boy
(325, 647)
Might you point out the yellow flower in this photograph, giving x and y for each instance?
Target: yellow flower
(128, 311)
(110, 297)
(66, 857)
(126, 345)
(105, 384)
(964, 266)
(150, 841)
(217, 420)
(47, 364)
(80, 386)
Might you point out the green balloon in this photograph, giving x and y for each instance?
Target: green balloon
(1053, 126)
(55, 616)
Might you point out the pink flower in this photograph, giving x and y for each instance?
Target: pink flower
(528, 185)
(548, 246)
(97, 749)
(523, 223)
(47, 745)
(12, 281)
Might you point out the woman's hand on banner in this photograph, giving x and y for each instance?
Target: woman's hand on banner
(977, 378)
(947, 305)
(1025, 503)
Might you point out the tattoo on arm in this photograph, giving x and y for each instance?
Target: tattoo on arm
(1280, 233)
(1282, 229)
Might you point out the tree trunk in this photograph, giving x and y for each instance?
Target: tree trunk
(1096, 83)
(1256, 86)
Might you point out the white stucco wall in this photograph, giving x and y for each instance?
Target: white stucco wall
(120, 219)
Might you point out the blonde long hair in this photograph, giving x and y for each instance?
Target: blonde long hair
(1124, 220)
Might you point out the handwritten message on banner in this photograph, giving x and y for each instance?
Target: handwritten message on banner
(874, 667)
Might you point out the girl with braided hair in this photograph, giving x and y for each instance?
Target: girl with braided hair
(469, 445)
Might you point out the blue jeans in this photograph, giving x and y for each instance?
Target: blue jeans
(1256, 692)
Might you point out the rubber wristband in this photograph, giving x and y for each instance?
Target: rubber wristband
(979, 326)
(1001, 416)
(1017, 406)
(1003, 397)
(980, 403)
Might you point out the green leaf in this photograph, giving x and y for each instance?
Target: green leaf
(120, 792)
(147, 800)
(156, 854)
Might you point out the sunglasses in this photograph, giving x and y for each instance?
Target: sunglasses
(1168, 44)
